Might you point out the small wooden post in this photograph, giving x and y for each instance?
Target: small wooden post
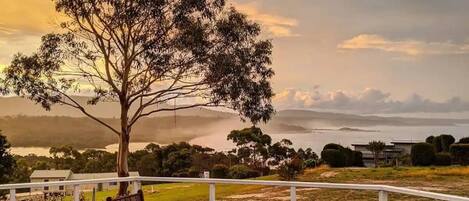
(94, 194)
(135, 187)
(12, 194)
(76, 193)
(292, 193)
(383, 196)
(212, 192)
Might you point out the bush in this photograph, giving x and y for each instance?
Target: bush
(464, 140)
(194, 172)
(219, 171)
(430, 139)
(442, 142)
(422, 154)
(460, 153)
(311, 163)
(443, 159)
(358, 159)
(290, 169)
(446, 142)
(333, 146)
(242, 172)
(334, 158)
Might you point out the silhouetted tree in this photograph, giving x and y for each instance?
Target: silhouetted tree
(7, 162)
(252, 145)
(143, 53)
(376, 147)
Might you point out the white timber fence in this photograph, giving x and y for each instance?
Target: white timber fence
(382, 190)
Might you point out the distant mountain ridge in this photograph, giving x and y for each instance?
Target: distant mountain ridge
(27, 124)
(18, 106)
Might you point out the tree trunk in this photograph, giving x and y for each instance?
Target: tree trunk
(123, 153)
(376, 160)
(122, 163)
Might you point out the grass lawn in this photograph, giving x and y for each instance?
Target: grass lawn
(453, 180)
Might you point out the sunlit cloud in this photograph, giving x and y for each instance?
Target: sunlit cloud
(368, 101)
(276, 25)
(407, 47)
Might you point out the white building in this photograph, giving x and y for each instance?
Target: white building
(68, 175)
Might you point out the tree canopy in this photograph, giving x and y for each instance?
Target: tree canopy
(143, 53)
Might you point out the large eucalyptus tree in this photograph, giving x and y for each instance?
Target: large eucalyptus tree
(141, 53)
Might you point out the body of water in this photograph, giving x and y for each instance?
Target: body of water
(318, 138)
(315, 139)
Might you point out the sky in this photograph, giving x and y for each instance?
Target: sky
(358, 56)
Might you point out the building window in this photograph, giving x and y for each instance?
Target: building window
(113, 184)
(46, 188)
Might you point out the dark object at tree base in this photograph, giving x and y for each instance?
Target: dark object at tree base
(134, 197)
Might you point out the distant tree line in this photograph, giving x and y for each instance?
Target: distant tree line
(255, 155)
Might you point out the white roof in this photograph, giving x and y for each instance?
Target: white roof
(51, 174)
(82, 176)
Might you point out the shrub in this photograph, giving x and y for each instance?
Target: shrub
(334, 158)
(358, 159)
(242, 172)
(442, 142)
(311, 163)
(194, 171)
(464, 140)
(460, 153)
(430, 139)
(443, 159)
(333, 146)
(288, 170)
(446, 142)
(219, 171)
(422, 154)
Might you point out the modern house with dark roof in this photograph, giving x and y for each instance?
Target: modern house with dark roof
(390, 154)
(68, 175)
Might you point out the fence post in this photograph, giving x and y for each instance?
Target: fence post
(12, 194)
(212, 192)
(136, 186)
(383, 196)
(292, 193)
(76, 192)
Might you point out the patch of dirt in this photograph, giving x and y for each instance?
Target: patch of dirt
(252, 195)
(428, 188)
(328, 174)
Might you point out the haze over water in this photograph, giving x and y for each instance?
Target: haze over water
(315, 139)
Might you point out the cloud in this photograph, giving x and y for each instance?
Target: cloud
(368, 101)
(407, 47)
(278, 26)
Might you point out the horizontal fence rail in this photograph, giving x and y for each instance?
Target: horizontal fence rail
(382, 190)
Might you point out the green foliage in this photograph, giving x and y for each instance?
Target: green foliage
(242, 172)
(333, 146)
(7, 163)
(350, 157)
(334, 157)
(430, 139)
(310, 158)
(423, 154)
(358, 159)
(442, 159)
(460, 153)
(441, 142)
(289, 170)
(464, 140)
(252, 146)
(219, 171)
(376, 147)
